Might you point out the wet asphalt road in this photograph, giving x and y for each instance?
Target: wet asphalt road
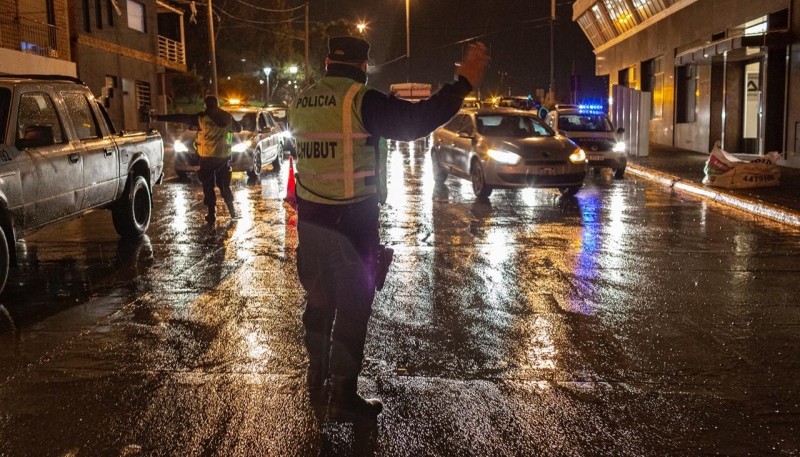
(629, 321)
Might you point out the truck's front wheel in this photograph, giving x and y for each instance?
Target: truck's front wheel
(5, 259)
(131, 214)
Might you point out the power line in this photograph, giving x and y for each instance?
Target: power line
(261, 8)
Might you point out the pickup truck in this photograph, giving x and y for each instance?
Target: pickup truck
(60, 157)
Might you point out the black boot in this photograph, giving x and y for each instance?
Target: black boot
(385, 255)
(231, 209)
(315, 381)
(211, 216)
(347, 405)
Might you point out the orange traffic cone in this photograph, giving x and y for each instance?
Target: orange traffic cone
(291, 195)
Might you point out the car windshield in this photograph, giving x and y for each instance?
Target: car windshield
(5, 103)
(248, 122)
(584, 123)
(512, 125)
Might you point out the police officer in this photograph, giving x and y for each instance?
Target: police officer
(338, 124)
(214, 148)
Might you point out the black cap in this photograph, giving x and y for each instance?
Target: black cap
(348, 49)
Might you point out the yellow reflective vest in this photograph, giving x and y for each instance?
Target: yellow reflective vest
(334, 164)
(213, 140)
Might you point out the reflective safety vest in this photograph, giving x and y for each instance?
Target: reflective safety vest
(213, 140)
(334, 164)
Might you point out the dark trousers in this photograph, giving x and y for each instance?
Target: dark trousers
(215, 171)
(336, 265)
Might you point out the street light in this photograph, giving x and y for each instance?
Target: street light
(267, 71)
(361, 27)
(293, 71)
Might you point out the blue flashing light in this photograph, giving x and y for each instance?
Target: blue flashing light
(595, 109)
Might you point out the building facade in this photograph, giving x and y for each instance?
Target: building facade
(717, 70)
(34, 37)
(122, 55)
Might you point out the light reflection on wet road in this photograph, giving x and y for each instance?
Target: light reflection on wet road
(627, 321)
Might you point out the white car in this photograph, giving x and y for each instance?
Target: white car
(591, 129)
(260, 142)
(506, 148)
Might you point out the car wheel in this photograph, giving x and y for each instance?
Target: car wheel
(439, 171)
(619, 173)
(182, 175)
(256, 170)
(569, 191)
(479, 186)
(5, 259)
(131, 214)
(278, 162)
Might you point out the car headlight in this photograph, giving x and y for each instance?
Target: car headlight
(578, 156)
(241, 147)
(504, 157)
(286, 134)
(179, 147)
(619, 147)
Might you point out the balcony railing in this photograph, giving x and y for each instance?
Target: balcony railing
(28, 35)
(171, 50)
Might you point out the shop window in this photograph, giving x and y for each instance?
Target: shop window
(685, 94)
(653, 82)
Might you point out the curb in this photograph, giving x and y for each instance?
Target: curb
(756, 207)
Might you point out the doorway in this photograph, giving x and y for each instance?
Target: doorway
(752, 109)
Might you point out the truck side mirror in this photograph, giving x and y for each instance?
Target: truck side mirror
(620, 131)
(36, 136)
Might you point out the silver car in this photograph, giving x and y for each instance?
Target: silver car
(260, 142)
(591, 129)
(506, 148)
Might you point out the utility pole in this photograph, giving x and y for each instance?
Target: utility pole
(305, 63)
(213, 48)
(408, 40)
(551, 93)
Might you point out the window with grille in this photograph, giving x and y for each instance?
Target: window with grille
(621, 16)
(603, 22)
(591, 30)
(142, 94)
(648, 8)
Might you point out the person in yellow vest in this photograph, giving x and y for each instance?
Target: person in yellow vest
(338, 123)
(213, 145)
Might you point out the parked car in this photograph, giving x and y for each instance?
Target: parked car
(591, 129)
(506, 148)
(60, 157)
(260, 142)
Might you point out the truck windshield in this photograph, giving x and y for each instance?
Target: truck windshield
(5, 106)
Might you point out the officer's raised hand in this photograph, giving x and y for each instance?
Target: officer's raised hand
(475, 63)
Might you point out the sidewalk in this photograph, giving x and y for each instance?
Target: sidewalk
(683, 170)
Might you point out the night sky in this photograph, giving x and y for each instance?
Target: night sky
(517, 32)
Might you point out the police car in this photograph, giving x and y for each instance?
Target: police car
(591, 129)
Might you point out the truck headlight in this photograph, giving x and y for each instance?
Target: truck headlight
(504, 157)
(578, 156)
(619, 147)
(179, 147)
(241, 147)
